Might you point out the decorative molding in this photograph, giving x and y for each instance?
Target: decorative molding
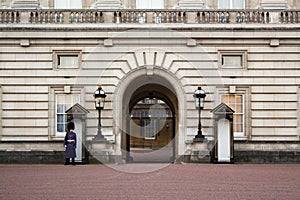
(190, 4)
(273, 4)
(105, 4)
(108, 43)
(24, 43)
(230, 52)
(57, 53)
(26, 4)
(191, 43)
(274, 43)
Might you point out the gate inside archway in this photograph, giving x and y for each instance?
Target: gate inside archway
(151, 125)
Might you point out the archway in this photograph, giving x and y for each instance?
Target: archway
(127, 89)
(170, 90)
(151, 125)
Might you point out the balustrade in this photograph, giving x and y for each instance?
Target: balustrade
(46, 17)
(10, 17)
(126, 16)
(233, 17)
(130, 17)
(289, 17)
(86, 17)
(144, 17)
(168, 17)
(213, 17)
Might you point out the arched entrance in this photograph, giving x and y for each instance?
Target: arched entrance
(138, 85)
(151, 125)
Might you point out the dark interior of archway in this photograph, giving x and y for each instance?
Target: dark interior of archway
(152, 124)
(154, 91)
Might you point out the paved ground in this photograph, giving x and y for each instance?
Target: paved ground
(150, 181)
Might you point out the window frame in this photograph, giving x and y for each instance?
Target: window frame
(244, 91)
(146, 128)
(58, 133)
(68, 3)
(229, 66)
(240, 53)
(149, 2)
(242, 133)
(54, 91)
(231, 4)
(66, 53)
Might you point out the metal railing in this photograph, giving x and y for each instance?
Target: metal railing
(52, 16)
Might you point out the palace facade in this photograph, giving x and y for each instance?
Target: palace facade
(149, 56)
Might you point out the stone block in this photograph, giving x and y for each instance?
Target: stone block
(199, 151)
(267, 156)
(32, 157)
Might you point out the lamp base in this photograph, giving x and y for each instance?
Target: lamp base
(100, 138)
(199, 137)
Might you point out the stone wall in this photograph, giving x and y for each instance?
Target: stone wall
(32, 157)
(31, 152)
(212, 4)
(187, 53)
(267, 152)
(245, 152)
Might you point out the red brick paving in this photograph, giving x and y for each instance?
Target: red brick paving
(175, 181)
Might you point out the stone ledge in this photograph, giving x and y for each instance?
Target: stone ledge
(57, 157)
(32, 157)
(267, 146)
(36, 146)
(263, 157)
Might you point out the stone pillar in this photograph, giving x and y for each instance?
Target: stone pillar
(273, 4)
(191, 17)
(191, 4)
(26, 4)
(102, 151)
(200, 151)
(149, 17)
(108, 4)
(108, 17)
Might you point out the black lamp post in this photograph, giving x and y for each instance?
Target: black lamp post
(99, 96)
(199, 96)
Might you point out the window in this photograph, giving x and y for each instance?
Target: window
(149, 4)
(150, 101)
(236, 102)
(66, 59)
(232, 61)
(67, 4)
(229, 59)
(150, 128)
(231, 4)
(64, 102)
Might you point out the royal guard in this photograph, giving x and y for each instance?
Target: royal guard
(70, 144)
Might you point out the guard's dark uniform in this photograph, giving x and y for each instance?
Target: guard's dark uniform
(70, 144)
